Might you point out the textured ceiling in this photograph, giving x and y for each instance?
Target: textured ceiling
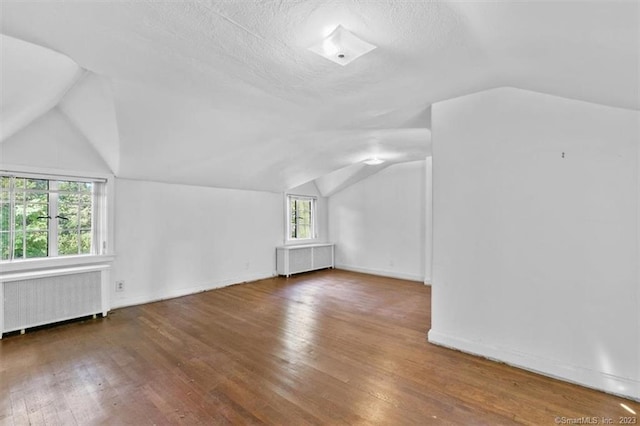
(225, 93)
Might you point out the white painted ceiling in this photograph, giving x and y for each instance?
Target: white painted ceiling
(226, 93)
(34, 79)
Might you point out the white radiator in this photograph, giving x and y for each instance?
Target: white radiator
(303, 258)
(31, 299)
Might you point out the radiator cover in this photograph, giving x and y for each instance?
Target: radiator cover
(44, 297)
(302, 258)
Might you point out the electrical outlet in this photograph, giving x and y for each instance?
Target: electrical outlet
(120, 285)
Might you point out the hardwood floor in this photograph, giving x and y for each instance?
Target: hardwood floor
(328, 347)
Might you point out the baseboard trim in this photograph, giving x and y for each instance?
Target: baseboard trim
(382, 273)
(598, 380)
(180, 292)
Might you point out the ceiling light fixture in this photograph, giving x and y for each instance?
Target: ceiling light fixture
(342, 47)
(373, 161)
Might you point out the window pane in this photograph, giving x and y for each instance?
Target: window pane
(19, 216)
(37, 244)
(67, 205)
(304, 213)
(74, 223)
(67, 222)
(70, 243)
(300, 217)
(67, 215)
(18, 245)
(36, 197)
(85, 242)
(5, 182)
(85, 197)
(304, 232)
(68, 198)
(4, 246)
(25, 206)
(41, 184)
(67, 243)
(85, 216)
(5, 216)
(37, 216)
(72, 186)
(18, 183)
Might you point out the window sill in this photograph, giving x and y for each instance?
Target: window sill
(307, 244)
(57, 262)
(301, 241)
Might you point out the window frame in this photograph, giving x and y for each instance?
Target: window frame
(101, 219)
(313, 219)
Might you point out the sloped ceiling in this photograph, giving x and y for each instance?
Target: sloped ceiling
(225, 93)
(33, 81)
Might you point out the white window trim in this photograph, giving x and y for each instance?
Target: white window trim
(314, 219)
(105, 252)
(24, 265)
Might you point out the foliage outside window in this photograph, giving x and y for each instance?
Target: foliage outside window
(301, 217)
(42, 217)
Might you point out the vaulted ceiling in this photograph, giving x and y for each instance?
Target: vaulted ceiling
(226, 93)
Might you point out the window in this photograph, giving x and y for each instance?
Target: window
(301, 217)
(49, 217)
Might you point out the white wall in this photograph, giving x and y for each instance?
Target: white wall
(535, 255)
(428, 217)
(89, 105)
(378, 224)
(170, 240)
(173, 240)
(52, 142)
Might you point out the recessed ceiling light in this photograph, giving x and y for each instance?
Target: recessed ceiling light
(373, 161)
(342, 47)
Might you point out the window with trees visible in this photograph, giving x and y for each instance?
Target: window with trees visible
(301, 217)
(44, 217)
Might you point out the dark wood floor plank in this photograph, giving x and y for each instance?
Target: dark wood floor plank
(328, 347)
